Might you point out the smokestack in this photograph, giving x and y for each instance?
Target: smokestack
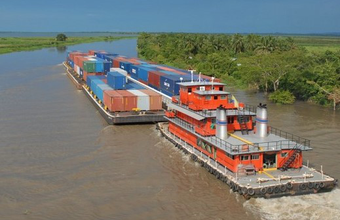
(261, 120)
(221, 123)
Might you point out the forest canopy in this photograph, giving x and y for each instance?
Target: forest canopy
(264, 63)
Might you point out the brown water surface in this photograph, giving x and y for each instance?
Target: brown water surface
(60, 160)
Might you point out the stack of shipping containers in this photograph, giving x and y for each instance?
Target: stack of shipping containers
(105, 74)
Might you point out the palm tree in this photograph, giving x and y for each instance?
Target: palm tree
(237, 43)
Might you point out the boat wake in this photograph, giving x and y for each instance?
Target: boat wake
(313, 206)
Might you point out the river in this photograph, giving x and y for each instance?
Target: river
(60, 160)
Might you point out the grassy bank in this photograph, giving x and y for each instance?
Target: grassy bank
(318, 44)
(15, 44)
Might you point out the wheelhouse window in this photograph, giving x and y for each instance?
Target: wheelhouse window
(221, 88)
(208, 97)
(229, 155)
(255, 156)
(215, 97)
(285, 154)
(223, 97)
(244, 157)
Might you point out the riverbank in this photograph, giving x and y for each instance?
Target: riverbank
(288, 68)
(16, 44)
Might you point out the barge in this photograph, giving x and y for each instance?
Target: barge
(124, 117)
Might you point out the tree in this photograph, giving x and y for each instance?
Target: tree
(61, 37)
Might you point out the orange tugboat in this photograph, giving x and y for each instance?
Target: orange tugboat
(234, 142)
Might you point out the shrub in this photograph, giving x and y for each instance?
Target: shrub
(282, 97)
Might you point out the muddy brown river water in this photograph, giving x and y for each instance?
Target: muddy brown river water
(60, 160)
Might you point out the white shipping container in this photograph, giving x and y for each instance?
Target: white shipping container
(123, 72)
(143, 100)
(77, 69)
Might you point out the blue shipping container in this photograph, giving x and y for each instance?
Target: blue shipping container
(99, 66)
(90, 78)
(94, 84)
(143, 73)
(132, 85)
(125, 66)
(169, 83)
(116, 80)
(100, 90)
(134, 71)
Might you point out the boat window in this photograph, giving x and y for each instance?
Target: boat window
(223, 97)
(230, 120)
(255, 156)
(189, 89)
(221, 88)
(229, 155)
(215, 97)
(285, 154)
(197, 88)
(244, 157)
(208, 97)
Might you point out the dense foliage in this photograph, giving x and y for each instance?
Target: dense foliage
(264, 63)
(282, 97)
(61, 37)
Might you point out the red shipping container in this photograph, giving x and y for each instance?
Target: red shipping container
(113, 100)
(142, 81)
(91, 52)
(155, 78)
(130, 100)
(155, 99)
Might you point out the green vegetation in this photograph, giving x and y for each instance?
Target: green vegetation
(291, 67)
(282, 97)
(61, 37)
(14, 44)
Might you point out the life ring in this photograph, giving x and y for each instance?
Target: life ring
(276, 189)
(310, 185)
(251, 191)
(322, 185)
(303, 186)
(283, 188)
(289, 185)
(270, 190)
(263, 190)
(264, 166)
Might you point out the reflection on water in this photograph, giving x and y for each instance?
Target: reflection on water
(60, 160)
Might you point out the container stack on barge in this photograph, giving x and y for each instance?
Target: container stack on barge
(118, 99)
(232, 140)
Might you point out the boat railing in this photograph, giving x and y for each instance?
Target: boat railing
(246, 148)
(289, 136)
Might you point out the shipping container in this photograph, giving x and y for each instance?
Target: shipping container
(143, 73)
(113, 100)
(100, 88)
(132, 85)
(116, 80)
(154, 79)
(89, 66)
(123, 72)
(130, 100)
(134, 71)
(90, 78)
(94, 83)
(155, 99)
(125, 65)
(169, 83)
(143, 100)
